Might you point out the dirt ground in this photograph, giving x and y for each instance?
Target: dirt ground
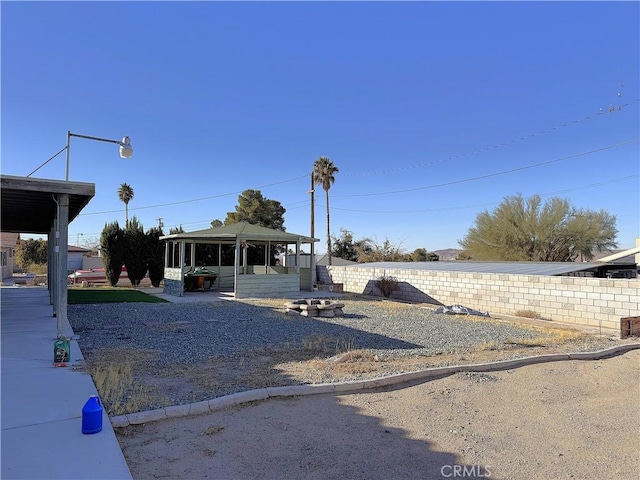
(577, 419)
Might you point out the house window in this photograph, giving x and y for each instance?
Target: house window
(4, 259)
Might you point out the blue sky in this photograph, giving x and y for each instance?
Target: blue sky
(432, 111)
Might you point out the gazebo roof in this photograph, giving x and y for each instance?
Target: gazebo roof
(241, 231)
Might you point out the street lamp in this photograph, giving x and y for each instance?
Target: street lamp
(61, 345)
(126, 151)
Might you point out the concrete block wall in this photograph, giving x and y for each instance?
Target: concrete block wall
(579, 300)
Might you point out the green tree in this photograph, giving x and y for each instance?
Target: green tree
(31, 251)
(112, 246)
(174, 230)
(522, 229)
(155, 261)
(385, 252)
(347, 247)
(344, 246)
(422, 255)
(324, 174)
(255, 209)
(216, 223)
(125, 194)
(136, 251)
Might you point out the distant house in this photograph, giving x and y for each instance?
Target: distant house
(8, 242)
(75, 257)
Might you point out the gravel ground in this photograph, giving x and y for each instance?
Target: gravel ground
(223, 329)
(194, 351)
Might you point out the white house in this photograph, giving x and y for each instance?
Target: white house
(8, 242)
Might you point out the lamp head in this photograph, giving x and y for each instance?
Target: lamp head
(126, 150)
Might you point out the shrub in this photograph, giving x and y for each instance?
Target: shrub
(386, 285)
(113, 251)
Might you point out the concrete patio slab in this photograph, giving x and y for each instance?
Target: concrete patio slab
(42, 404)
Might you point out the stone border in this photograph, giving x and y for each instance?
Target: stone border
(358, 386)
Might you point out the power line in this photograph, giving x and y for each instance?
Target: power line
(453, 207)
(489, 147)
(489, 175)
(461, 207)
(182, 202)
(379, 172)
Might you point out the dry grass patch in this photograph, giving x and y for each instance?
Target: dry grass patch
(394, 308)
(213, 429)
(113, 373)
(550, 337)
(529, 314)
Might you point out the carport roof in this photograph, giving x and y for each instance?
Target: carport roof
(515, 268)
(28, 205)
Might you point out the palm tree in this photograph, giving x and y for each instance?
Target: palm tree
(125, 194)
(323, 174)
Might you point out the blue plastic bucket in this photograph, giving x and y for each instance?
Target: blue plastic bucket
(92, 415)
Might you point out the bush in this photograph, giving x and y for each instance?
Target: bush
(113, 251)
(386, 285)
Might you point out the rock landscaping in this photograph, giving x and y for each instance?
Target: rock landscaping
(316, 308)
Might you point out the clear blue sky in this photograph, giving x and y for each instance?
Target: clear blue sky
(433, 112)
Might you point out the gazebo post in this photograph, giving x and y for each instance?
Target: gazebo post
(236, 265)
(312, 263)
(182, 254)
(267, 257)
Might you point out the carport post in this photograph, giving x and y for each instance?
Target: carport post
(62, 237)
(52, 259)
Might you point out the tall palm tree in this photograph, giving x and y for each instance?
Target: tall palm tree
(323, 174)
(125, 194)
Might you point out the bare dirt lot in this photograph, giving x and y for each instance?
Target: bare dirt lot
(576, 419)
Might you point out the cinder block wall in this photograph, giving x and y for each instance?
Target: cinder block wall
(578, 300)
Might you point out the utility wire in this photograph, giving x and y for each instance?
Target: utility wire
(182, 202)
(385, 172)
(489, 175)
(461, 207)
(489, 147)
(456, 207)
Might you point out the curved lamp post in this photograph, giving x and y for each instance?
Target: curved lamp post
(61, 241)
(126, 151)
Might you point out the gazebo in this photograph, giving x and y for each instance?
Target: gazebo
(238, 258)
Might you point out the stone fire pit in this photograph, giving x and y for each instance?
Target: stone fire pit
(316, 308)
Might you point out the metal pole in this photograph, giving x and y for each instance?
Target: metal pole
(312, 259)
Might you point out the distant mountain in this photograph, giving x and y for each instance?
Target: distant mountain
(448, 253)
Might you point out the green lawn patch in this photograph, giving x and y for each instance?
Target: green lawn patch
(109, 295)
